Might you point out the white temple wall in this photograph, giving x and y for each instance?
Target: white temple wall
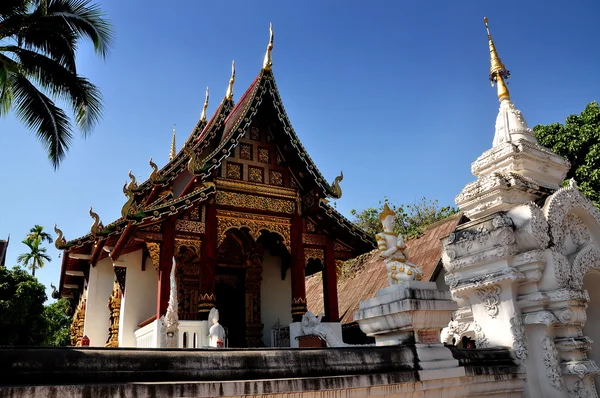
(100, 285)
(139, 299)
(440, 282)
(275, 296)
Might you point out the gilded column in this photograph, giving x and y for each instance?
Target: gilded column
(114, 307)
(330, 296)
(208, 263)
(298, 264)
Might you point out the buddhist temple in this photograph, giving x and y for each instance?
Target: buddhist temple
(244, 211)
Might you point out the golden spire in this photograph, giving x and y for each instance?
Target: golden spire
(173, 148)
(267, 63)
(203, 116)
(229, 94)
(498, 72)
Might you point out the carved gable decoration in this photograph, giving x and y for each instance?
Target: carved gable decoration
(255, 223)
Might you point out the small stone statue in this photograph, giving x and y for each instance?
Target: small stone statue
(311, 324)
(216, 334)
(393, 250)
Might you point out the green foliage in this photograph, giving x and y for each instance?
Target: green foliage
(578, 139)
(57, 324)
(36, 257)
(411, 219)
(38, 43)
(22, 307)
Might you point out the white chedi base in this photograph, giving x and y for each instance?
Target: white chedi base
(411, 311)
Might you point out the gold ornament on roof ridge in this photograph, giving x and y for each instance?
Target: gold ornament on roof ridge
(229, 94)
(154, 175)
(268, 62)
(97, 225)
(203, 115)
(386, 212)
(498, 72)
(60, 242)
(133, 184)
(173, 148)
(335, 186)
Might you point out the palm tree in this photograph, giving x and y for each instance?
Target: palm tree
(37, 234)
(36, 258)
(38, 40)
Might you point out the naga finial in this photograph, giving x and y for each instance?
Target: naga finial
(203, 116)
(335, 186)
(60, 242)
(498, 72)
(268, 62)
(191, 166)
(154, 175)
(173, 147)
(229, 94)
(133, 184)
(97, 225)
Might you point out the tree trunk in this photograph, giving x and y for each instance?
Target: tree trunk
(33, 270)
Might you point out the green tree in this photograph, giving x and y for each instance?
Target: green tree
(57, 324)
(35, 258)
(411, 219)
(37, 234)
(22, 307)
(38, 42)
(578, 139)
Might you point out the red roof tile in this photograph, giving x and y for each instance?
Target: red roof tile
(368, 273)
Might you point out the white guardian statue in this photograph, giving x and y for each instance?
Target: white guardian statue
(216, 334)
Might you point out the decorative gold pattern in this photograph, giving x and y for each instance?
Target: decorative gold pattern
(255, 202)
(193, 244)
(263, 155)
(299, 306)
(256, 188)
(255, 174)
(339, 247)
(255, 223)
(234, 171)
(310, 227)
(154, 252)
(195, 214)
(255, 134)
(313, 239)
(114, 308)
(189, 226)
(339, 266)
(316, 254)
(76, 328)
(278, 158)
(275, 177)
(246, 151)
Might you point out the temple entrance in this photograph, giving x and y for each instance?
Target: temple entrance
(230, 294)
(252, 287)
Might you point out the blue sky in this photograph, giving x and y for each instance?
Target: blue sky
(395, 94)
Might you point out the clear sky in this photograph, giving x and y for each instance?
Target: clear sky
(394, 93)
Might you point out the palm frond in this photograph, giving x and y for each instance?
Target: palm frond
(85, 98)
(40, 113)
(6, 95)
(12, 7)
(86, 19)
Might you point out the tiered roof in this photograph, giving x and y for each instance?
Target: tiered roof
(207, 146)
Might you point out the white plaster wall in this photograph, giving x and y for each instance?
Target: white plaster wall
(100, 285)
(275, 296)
(139, 300)
(440, 281)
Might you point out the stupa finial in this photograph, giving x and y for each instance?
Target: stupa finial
(267, 63)
(203, 116)
(229, 94)
(173, 147)
(498, 72)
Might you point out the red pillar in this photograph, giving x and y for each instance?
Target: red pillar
(208, 264)
(167, 250)
(330, 296)
(298, 263)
